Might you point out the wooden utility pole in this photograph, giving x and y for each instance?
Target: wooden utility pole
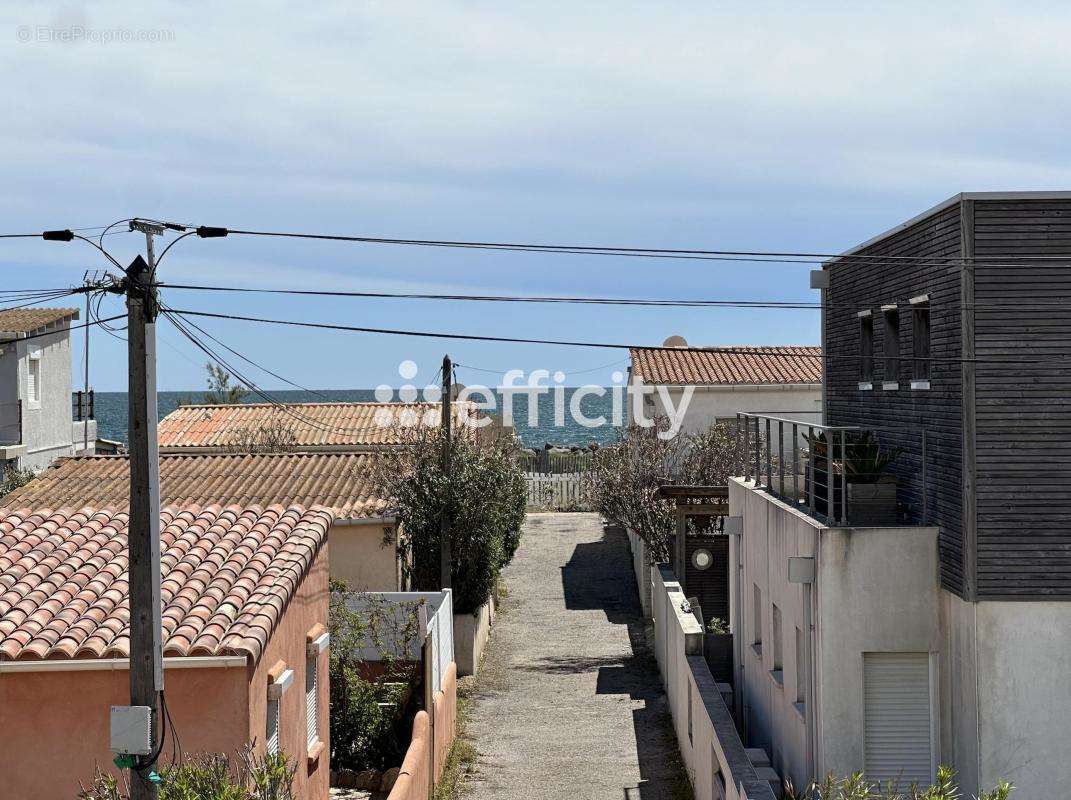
(146, 646)
(445, 555)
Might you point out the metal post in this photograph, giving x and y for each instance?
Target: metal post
(758, 451)
(445, 549)
(844, 477)
(769, 469)
(810, 478)
(741, 446)
(146, 646)
(795, 464)
(780, 457)
(831, 444)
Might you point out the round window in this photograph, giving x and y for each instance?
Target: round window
(701, 559)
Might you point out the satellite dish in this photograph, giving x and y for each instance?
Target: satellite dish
(675, 341)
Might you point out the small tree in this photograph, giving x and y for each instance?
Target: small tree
(220, 391)
(13, 478)
(626, 477)
(483, 498)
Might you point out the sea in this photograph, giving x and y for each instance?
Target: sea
(546, 427)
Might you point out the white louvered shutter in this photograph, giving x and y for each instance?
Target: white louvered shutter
(311, 696)
(272, 732)
(33, 380)
(897, 718)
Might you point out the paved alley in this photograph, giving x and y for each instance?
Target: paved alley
(570, 704)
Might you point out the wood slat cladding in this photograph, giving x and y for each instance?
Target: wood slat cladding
(1023, 410)
(900, 414)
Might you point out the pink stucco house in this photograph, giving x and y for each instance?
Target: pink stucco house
(245, 599)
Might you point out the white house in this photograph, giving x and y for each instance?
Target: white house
(38, 420)
(717, 383)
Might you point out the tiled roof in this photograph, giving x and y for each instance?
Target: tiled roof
(227, 575)
(338, 481)
(728, 365)
(28, 320)
(319, 425)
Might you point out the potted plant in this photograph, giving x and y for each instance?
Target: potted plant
(862, 469)
(718, 649)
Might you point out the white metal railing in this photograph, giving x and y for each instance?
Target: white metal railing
(810, 465)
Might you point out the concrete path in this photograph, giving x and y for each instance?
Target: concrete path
(569, 703)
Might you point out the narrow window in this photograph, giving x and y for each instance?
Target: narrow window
(33, 379)
(866, 347)
(801, 672)
(311, 700)
(920, 315)
(756, 639)
(778, 647)
(892, 345)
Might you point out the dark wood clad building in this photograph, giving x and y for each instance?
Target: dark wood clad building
(951, 335)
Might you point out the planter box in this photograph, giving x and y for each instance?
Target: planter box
(471, 632)
(872, 503)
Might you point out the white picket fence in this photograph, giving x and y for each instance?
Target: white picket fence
(563, 492)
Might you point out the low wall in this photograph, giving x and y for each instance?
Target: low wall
(471, 632)
(415, 780)
(717, 764)
(642, 570)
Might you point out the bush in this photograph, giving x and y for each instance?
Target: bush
(856, 787)
(14, 478)
(369, 727)
(625, 477)
(209, 776)
(483, 499)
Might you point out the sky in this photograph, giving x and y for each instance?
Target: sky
(728, 126)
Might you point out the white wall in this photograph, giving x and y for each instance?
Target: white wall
(706, 734)
(708, 403)
(1007, 670)
(875, 591)
(47, 425)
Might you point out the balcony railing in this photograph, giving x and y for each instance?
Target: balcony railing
(843, 475)
(82, 405)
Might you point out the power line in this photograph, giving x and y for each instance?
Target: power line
(791, 304)
(764, 353)
(70, 328)
(583, 300)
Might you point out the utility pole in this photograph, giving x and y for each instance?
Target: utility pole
(445, 555)
(146, 646)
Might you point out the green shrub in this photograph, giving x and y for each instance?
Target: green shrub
(856, 787)
(14, 478)
(369, 725)
(208, 776)
(484, 500)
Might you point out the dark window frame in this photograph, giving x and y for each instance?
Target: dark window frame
(866, 348)
(921, 334)
(891, 344)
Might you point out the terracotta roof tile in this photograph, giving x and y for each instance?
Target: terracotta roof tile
(728, 365)
(28, 320)
(227, 574)
(339, 481)
(315, 425)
